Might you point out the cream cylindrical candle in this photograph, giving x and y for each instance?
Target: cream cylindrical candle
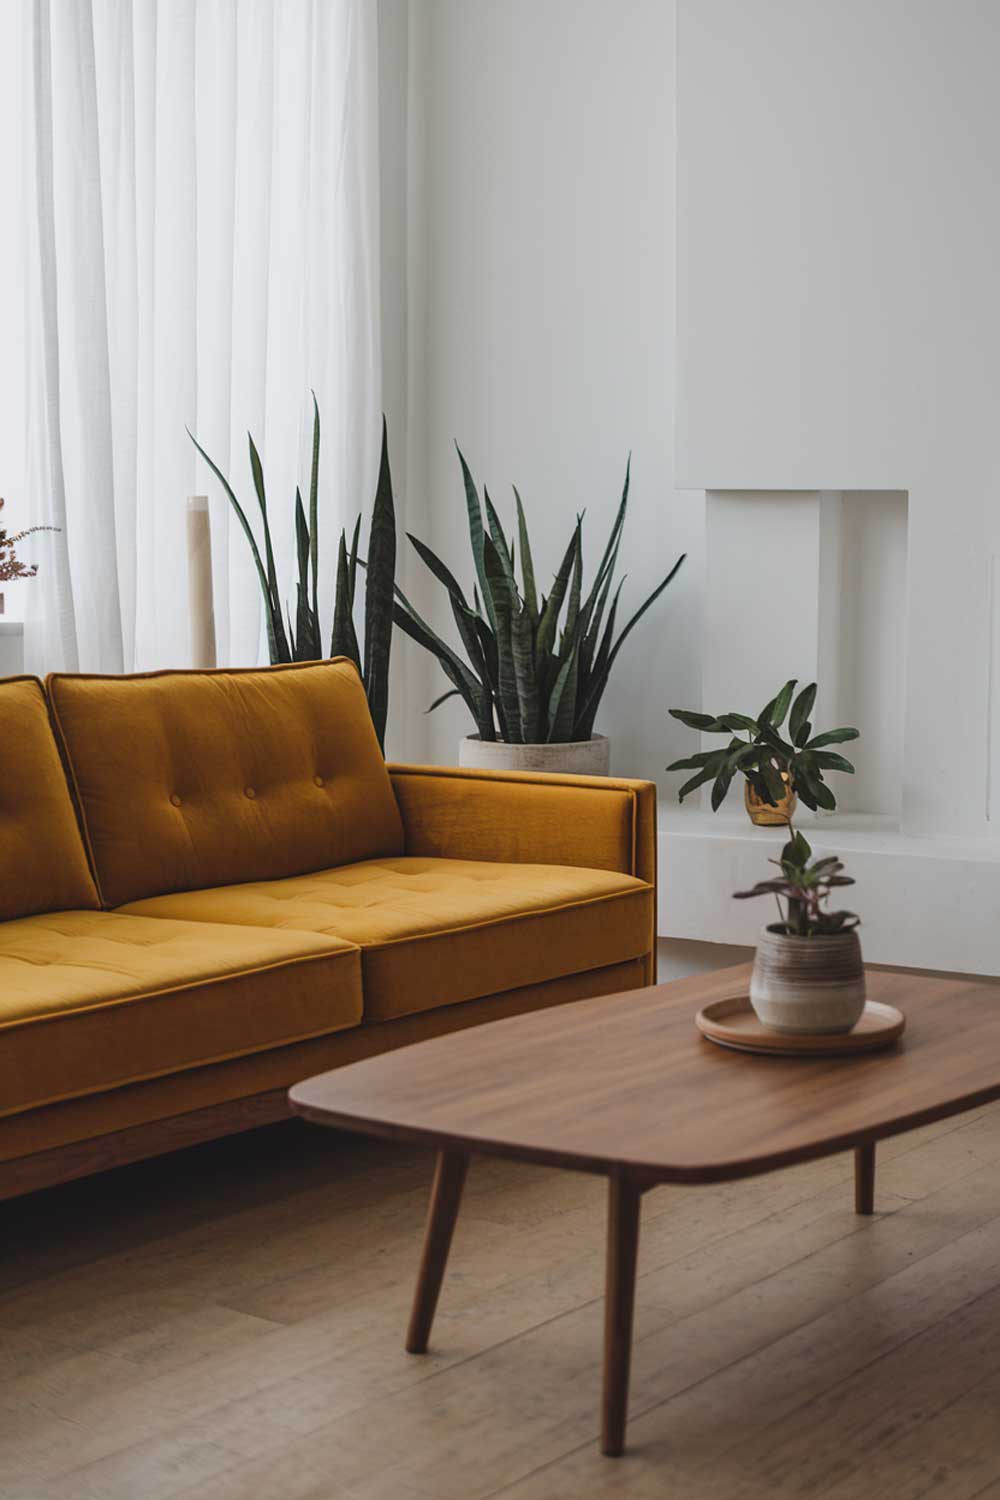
(200, 596)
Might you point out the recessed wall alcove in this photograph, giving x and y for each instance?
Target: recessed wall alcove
(812, 584)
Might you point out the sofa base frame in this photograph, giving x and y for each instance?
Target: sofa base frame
(119, 1148)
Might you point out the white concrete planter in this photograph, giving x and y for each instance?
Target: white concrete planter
(808, 984)
(579, 758)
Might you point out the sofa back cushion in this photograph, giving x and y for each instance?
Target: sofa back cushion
(43, 864)
(193, 779)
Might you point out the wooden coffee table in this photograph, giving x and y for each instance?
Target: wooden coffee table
(624, 1086)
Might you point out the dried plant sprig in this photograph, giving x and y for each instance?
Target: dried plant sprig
(11, 566)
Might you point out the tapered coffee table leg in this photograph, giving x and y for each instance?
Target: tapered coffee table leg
(624, 1199)
(446, 1195)
(864, 1179)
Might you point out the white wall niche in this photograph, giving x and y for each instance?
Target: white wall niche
(812, 584)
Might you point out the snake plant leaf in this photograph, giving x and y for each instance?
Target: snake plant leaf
(314, 511)
(453, 692)
(546, 634)
(568, 640)
(441, 571)
(380, 582)
(801, 709)
(269, 602)
(410, 620)
(477, 535)
(257, 470)
(773, 713)
(306, 646)
(587, 710)
(352, 560)
(505, 549)
(527, 564)
(469, 629)
(343, 638)
(505, 605)
(562, 700)
(832, 737)
(601, 678)
(525, 676)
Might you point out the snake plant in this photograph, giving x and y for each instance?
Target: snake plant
(525, 677)
(302, 639)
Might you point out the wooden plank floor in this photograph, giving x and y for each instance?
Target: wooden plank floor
(227, 1324)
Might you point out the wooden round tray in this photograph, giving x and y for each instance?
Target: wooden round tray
(733, 1023)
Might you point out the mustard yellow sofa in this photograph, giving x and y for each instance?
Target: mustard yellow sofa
(212, 885)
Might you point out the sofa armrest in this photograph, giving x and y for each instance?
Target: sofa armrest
(527, 817)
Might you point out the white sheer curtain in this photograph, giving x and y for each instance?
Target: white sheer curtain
(202, 249)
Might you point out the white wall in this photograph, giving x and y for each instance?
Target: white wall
(541, 317)
(838, 312)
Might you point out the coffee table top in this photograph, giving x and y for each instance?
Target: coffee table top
(625, 1083)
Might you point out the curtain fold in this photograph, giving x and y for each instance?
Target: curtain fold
(202, 248)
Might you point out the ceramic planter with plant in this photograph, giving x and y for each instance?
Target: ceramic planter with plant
(532, 667)
(807, 972)
(301, 639)
(778, 770)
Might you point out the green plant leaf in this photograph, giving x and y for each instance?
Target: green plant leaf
(451, 693)
(269, 602)
(306, 645)
(601, 679)
(828, 761)
(832, 737)
(527, 565)
(281, 639)
(721, 787)
(546, 634)
(801, 709)
(773, 713)
(411, 623)
(343, 638)
(707, 773)
(380, 581)
(525, 676)
(505, 605)
(314, 511)
(735, 722)
(693, 720)
(477, 536)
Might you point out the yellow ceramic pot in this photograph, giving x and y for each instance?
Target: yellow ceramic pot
(766, 815)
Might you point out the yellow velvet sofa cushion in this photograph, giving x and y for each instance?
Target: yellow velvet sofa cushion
(91, 1000)
(43, 864)
(440, 931)
(192, 779)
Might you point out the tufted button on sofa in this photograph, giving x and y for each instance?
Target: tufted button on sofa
(193, 916)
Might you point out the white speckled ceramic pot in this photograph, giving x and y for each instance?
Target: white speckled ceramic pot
(808, 984)
(579, 758)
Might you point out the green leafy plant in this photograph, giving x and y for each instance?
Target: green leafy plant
(11, 566)
(805, 885)
(301, 639)
(525, 677)
(764, 756)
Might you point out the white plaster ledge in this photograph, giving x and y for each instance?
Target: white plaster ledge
(927, 902)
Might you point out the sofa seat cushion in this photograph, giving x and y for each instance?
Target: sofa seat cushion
(441, 931)
(91, 1000)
